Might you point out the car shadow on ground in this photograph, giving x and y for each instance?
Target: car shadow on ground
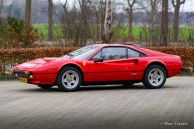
(94, 88)
(111, 87)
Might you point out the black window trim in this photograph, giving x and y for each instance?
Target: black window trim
(141, 53)
(126, 48)
(126, 51)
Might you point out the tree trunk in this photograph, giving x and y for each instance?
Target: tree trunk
(108, 22)
(50, 20)
(28, 15)
(130, 19)
(153, 15)
(164, 23)
(176, 4)
(102, 16)
(1, 8)
(27, 22)
(176, 23)
(130, 10)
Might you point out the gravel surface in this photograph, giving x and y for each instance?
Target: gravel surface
(25, 106)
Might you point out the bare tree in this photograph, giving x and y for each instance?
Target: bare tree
(84, 19)
(130, 10)
(78, 22)
(108, 21)
(102, 10)
(164, 24)
(153, 19)
(176, 4)
(99, 8)
(68, 20)
(27, 22)
(28, 14)
(50, 19)
(1, 7)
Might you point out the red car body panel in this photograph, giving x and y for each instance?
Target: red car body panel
(45, 70)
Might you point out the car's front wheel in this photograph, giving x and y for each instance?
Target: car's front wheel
(69, 79)
(155, 77)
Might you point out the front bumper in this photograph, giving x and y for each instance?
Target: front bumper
(35, 78)
(22, 74)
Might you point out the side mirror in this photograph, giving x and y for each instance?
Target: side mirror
(99, 60)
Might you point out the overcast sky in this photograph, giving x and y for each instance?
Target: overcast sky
(187, 7)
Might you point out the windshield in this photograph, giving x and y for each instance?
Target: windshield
(83, 53)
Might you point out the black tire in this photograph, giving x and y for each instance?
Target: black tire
(146, 81)
(60, 84)
(45, 86)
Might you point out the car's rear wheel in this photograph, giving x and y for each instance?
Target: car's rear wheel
(69, 79)
(45, 86)
(155, 77)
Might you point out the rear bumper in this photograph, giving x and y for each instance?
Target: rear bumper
(173, 73)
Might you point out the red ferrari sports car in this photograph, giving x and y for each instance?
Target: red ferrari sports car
(101, 64)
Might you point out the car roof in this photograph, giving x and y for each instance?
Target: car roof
(132, 46)
(122, 45)
(148, 52)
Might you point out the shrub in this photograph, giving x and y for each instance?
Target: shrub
(13, 34)
(11, 57)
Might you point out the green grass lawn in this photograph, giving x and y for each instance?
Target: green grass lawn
(140, 31)
(123, 31)
(186, 32)
(137, 32)
(42, 30)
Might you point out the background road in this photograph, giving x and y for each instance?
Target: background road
(114, 107)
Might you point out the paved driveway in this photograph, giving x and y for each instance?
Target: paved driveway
(115, 107)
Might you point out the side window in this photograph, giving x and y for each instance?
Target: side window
(97, 56)
(114, 53)
(133, 53)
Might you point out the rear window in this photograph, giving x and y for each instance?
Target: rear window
(133, 53)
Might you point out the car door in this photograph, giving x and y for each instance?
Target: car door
(114, 67)
(136, 64)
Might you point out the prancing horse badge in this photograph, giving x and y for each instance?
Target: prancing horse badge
(84, 63)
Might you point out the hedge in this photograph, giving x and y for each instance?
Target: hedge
(11, 57)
